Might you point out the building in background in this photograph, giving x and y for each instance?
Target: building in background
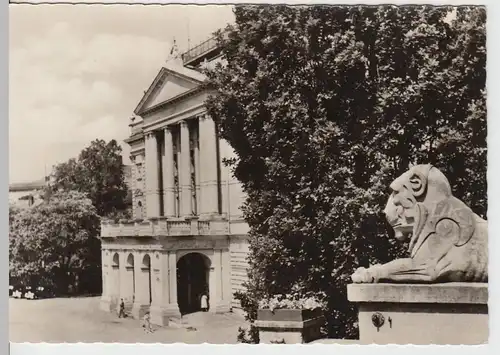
(188, 236)
(26, 194)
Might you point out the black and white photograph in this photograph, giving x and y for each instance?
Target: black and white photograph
(248, 174)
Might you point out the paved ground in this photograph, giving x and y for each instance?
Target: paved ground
(80, 320)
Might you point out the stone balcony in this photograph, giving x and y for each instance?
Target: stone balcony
(164, 227)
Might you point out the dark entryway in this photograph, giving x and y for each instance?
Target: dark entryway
(192, 281)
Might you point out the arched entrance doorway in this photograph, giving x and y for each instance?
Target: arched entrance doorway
(192, 281)
(146, 270)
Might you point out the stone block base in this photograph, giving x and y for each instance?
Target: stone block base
(162, 316)
(139, 310)
(441, 314)
(289, 332)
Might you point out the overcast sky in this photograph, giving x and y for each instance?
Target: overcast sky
(78, 71)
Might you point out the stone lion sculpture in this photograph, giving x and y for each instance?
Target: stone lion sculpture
(448, 242)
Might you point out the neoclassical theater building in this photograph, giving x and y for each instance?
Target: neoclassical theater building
(187, 236)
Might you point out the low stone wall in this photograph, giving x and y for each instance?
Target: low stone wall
(441, 314)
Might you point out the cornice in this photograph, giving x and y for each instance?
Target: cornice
(134, 138)
(153, 125)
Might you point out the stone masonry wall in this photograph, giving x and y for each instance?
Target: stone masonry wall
(238, 252)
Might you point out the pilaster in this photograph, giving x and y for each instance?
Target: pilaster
(127, 276)
(105, 303)
(141, 301)
(173, 306)
(218, 303)
(162, 309)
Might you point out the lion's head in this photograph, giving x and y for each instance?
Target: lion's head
(411, 193)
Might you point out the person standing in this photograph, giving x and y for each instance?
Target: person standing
(204, 302)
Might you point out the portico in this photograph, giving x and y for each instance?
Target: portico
(181, 164)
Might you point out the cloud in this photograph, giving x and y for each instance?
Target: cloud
(66, 90)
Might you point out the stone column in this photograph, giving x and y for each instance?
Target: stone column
(208, 167)
(141, 302)
(168, 175)
(197, 167)
(152, 176)
(185, 172)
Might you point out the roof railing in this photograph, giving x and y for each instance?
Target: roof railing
(201, 49)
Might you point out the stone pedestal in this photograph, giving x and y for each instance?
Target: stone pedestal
(288, 326)
(441, 314)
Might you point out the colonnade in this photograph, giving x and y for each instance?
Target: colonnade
(172, 155)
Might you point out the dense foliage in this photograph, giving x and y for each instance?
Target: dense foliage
(98, 172)
(324, 106)
(80, 192)
(55, 243)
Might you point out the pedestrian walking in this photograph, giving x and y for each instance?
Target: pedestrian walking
(121, 313)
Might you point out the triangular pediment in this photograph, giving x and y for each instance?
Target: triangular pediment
(168, 85)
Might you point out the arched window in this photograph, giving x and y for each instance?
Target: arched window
(116, 260)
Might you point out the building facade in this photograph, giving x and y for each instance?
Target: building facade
(188, 236)
(26, 194)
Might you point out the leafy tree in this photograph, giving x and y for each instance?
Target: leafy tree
(324, 107)
(98, 171)
(55, 242)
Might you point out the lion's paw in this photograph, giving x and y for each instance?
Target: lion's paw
(362, 275)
